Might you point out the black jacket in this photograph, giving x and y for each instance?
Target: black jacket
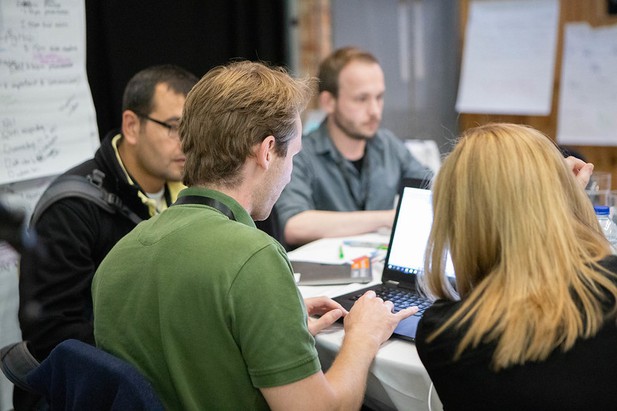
(74, 236)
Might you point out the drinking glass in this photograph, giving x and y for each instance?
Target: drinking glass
(599, 187)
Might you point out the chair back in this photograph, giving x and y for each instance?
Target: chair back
(78, 376)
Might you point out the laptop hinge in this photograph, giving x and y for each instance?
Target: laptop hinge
(393, 283)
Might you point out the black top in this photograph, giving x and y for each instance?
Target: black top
(584, 378)
(74, 235)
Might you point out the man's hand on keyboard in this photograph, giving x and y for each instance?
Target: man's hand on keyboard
(373, 317)
(328, 310)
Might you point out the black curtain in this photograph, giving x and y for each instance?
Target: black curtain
(125, 36)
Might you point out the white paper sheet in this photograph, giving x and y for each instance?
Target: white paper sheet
(509, 57)
(47, 117)
(588, 91)
(47, 120)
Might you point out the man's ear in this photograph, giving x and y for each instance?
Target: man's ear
(265, 152)
(131, 126)
(327, 102)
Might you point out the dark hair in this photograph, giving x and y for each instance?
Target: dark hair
(140, 88)
(331, 66)
(231, 109)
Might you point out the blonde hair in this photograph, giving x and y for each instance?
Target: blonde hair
(231, 109)
(524, 242)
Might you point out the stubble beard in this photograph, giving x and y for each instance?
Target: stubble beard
(354, 135)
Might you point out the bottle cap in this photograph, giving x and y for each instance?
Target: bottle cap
(601, 210)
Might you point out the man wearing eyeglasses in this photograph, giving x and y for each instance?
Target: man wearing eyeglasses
(143, 166)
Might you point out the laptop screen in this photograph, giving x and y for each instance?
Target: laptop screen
(410, 232)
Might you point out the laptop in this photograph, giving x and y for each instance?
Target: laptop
(404, 262)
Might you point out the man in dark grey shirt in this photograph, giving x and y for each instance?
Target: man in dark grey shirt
(347, 175)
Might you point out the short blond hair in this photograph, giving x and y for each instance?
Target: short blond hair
(231, 109)
(524, 242)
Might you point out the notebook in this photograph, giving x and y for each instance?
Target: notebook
(314, 273)
(405, 258)
(330, 261)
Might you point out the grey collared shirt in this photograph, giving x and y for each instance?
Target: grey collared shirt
(323, 179)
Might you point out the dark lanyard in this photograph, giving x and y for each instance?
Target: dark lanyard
(207, 201)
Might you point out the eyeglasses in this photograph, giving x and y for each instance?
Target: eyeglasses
(172, 129)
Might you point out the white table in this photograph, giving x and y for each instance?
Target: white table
(397, 379)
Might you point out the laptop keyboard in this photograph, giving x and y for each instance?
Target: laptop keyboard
(401, 299)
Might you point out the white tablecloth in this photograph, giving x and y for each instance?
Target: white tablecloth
(397, 378)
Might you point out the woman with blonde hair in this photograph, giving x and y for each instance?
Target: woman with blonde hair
(532, 323)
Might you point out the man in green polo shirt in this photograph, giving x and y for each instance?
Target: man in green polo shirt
(203, 303)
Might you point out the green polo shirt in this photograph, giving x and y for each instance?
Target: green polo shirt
(206, 307)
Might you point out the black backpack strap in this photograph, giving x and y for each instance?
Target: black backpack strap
(89, 188)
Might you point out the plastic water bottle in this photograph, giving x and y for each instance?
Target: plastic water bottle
(608, 226)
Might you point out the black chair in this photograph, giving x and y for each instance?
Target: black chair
(78, 376)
